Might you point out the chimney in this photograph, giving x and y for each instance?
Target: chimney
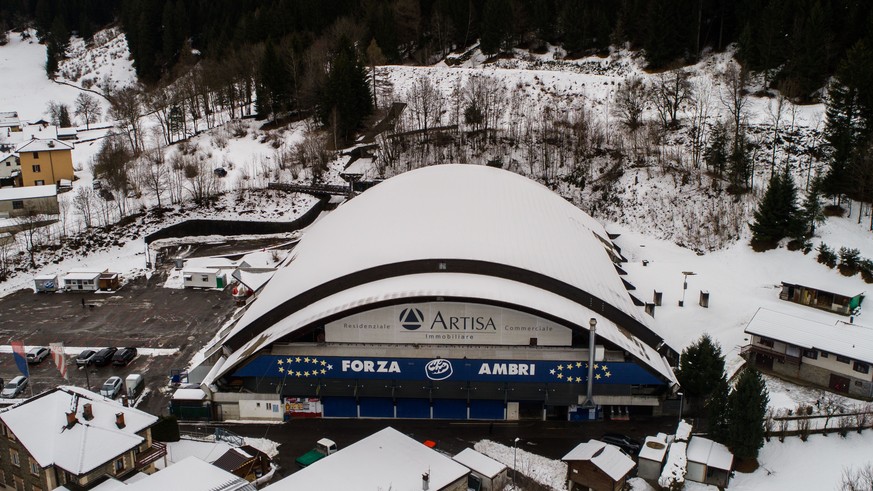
(71, 419)
(425, 481)
(119, 420)
(87, 413)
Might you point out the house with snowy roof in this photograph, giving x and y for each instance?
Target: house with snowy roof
(10, 122)
(45, 161)
(72, 437)
(709, 462)
(834, 356)
(597, 466)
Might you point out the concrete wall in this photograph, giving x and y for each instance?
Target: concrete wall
(47, 205)
(261, 409)
(53, 166)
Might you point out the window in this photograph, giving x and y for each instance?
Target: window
(204, 278)
(119, 465)
(17, 204)
(34, 467)
(37, 168)
(861, 367)
(8, 164)
(269, 406)
(35, 155)
(13, 457)
(811, 354)
(39, 182)
(824, 354)
(843, 359)
(766, 342)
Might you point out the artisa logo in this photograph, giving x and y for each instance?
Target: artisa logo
(411, 319)
(438, 369)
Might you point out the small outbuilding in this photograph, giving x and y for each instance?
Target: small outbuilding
(597, 466)
(651, 457)
(486, 474)
(45, 283)
(204, 278)
(246, 462)
(109, 281)
(41, 200)
(709, 462)
(825, 297)
(81, 279)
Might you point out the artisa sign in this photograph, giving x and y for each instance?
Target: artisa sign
(297, 367)
(447, 323)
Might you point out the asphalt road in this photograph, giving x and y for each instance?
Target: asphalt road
(552, 439)
(141, 314)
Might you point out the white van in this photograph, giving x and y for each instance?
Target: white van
(134, 385)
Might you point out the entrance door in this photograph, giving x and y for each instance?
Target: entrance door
(839, 384)
(512, 411)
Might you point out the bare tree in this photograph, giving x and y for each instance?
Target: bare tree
(29, 223)
(160, 103)
(857, 479)
(83, 202)
(154, 174)
(701, 102)
(630, 100)
(734, 98)
(484, 99)
(802, 423)
(863, 413)
(830, 404)
(426, 103)
(776, 110)
(126, 107)
(88, 108)
(670, 91)
(312, 152)
(202, 182)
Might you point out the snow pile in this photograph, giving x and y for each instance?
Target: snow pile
(551, 473)
(673, 475)
(683, 431)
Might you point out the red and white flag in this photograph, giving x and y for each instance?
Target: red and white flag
(59, 358)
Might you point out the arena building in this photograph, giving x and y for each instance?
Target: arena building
(453, 291)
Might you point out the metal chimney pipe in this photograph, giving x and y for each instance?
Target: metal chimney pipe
(589, 401)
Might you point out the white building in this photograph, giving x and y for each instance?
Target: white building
(387, 459)
(204, 278)
(491, 474)
(46, 283)
(709, 462)
(651, 457)
(82, 279)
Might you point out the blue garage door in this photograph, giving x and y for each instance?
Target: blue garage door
(377, 407)
(339, 407)
(413, 408)
(449, 409)
(486, 409)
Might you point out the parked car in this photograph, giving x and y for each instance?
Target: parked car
(220, 172)
(123, 356)
(627, 444)
(111, 387)
(323, 448)
(97, 184)
(37, 354)
(15, 387)
(104, 356)
(85, 358)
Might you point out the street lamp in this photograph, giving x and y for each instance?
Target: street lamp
(514, 453)
(685, 285)
(681, 402)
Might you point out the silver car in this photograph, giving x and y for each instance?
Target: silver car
(14, 388)
(111, 387)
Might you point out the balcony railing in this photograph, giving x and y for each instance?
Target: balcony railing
(150, 455)
(754, 348)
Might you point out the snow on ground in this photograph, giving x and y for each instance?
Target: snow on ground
(545, 471)
(102, 64)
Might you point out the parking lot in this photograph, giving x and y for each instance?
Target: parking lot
(142, 314)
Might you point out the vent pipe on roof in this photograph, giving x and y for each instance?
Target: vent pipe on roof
(119, 420)
(592, 330)
(425, 481)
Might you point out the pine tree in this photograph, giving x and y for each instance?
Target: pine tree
(700, 365)
(777, 215)
(496, 27)
(717, 410)
(716, 153)
(273, 84)
(64, 120)
(51, 60)
(747, 408)
(739, 171)
(344, 100)
(812, 210)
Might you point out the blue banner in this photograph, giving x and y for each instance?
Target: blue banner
(451, 369)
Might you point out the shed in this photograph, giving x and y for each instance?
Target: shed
(489, 474)
(67, 133)
(45, 283)
(204, 278)
(33, 199)
(246, 462)
(597, 466)
(709, 462)
(651, 457)
(80, 279)
(109, 281)
(824, 296)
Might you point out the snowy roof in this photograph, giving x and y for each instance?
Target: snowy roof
(608, 458)
(480, 463)
(683, 431)
(28, 192)
(67, 131)
(713, 454)
(200, 271)
(9, 118)
(40, 145)
(466, 212)
(254, 279)
(448, 285)
(387, 459)
(47, 276)
(358, 167)
(191, 474)
(850, 340)
(81, 275)
(654, 448)
(40, 423)
(189, 395)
